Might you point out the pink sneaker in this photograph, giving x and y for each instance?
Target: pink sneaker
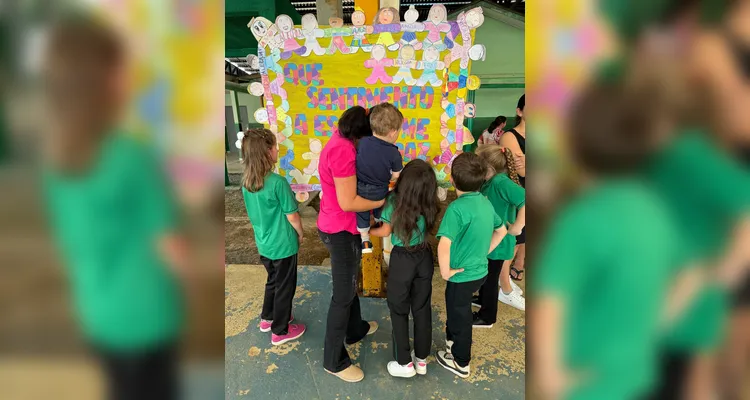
(295, 331)
(265, 325)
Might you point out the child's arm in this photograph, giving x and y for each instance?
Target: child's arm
(395, 175)
(516, 228)
(382, 231)
(551, 376)
(499, 233)
(444, 259)
(497, 237)
(296, 221)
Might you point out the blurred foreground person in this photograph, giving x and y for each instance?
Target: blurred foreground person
(113, 214)
(723, 70)
(605, 264)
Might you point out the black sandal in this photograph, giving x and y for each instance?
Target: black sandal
(516, 274)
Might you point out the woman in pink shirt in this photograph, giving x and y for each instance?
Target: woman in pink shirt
(337, 227)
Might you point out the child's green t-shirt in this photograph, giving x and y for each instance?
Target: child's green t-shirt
(418, 235)
(469, 223)
(707, 191)
(608, 257)
(267, 210)
(107, 223)
(506, 197)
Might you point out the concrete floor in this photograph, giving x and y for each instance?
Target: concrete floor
(255, 369)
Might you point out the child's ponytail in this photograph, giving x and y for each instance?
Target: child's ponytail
(510, 165)
(500, 160)
(256, 155)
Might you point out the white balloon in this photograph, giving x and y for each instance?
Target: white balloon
(240, 135)
(238, 144)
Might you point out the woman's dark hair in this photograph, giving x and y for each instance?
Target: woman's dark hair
(355, 123)
(496, 123)
(415, 195)
(521, 104)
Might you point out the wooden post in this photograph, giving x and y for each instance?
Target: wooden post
(373, 282)
(370, 8)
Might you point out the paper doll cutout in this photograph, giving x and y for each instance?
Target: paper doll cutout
(359, 40)
(406, 63)
(409, 27)
(430, 64)
(289, 34)
(266, 33)
(385, 23)
(435, 25)
(466, 22)
(311, 32)
(378, 62)
(336, 32)
(313, 156)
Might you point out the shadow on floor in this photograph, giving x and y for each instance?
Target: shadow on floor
(254, 369)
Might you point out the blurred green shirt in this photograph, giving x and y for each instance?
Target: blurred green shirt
(417, 236)
(506, 197)
(267, 209)
(706, 191)
(607, 257)
(469, 222)
(107, 223)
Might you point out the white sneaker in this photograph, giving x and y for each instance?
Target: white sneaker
(514, 299)
(401, 371)
(513, 286)
(448, 346)
(420, 365)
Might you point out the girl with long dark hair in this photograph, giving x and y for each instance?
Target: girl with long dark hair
(410, 214)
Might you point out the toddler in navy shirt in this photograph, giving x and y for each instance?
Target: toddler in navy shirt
(378, 163)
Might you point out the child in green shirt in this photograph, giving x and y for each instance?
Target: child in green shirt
(469, 231)
(508, 199)
(113, 215)
(272, 210)
(410, 212)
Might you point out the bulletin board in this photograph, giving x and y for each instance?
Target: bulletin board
(311, 74)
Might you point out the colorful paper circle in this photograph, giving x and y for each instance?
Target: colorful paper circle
(473, 83)
(261, 115)
(255, 89)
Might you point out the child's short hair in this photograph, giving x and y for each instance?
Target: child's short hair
(385, 118)
(468, 172)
